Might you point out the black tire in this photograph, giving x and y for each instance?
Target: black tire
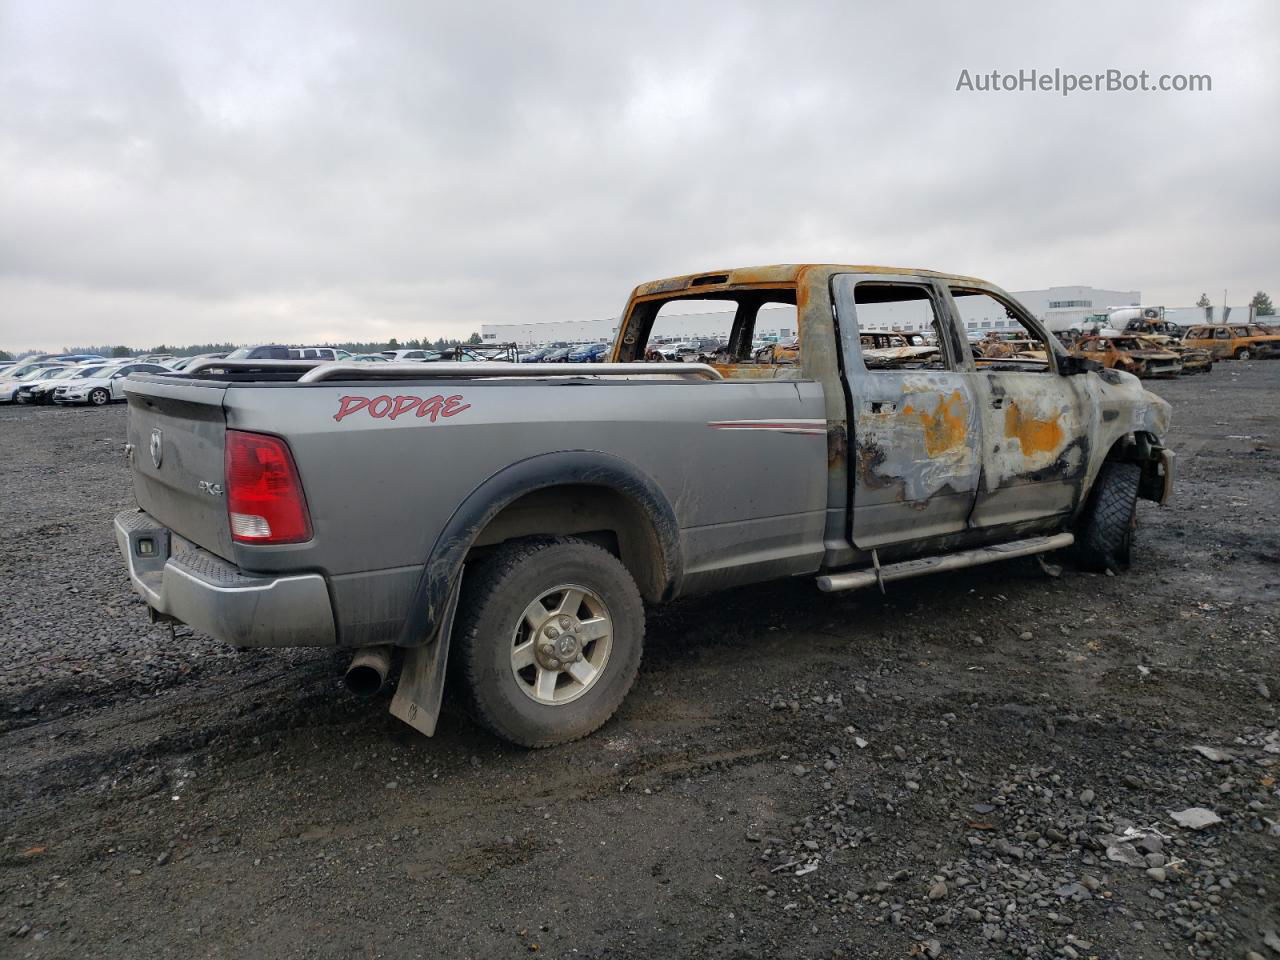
(99, 397)
(1104, 538)
(495, 595)
(1244, 354)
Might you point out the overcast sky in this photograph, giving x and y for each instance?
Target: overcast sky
(301, 172)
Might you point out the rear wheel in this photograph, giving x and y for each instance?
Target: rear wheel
(548, 639)
(1104, 538)
(1244, 353)
(99, 397)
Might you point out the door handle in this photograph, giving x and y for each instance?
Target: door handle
(882, 406)
(997, 403)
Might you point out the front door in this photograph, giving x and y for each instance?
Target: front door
(915, 452)
(1034, 451)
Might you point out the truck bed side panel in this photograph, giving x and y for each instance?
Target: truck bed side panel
(745, 461)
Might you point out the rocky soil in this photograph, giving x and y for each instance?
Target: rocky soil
(990, 764)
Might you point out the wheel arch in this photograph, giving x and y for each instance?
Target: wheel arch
(1144, 449)
(586, 493)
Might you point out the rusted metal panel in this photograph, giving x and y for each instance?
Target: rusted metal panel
(781, 273)
(1035, 446)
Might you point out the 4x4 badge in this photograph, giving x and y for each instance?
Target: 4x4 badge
(157, 447)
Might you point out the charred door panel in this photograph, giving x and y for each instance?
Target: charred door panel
(1035, 450)
(916, 456)
(915, 422)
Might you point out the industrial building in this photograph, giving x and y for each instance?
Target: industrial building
(1066, 308)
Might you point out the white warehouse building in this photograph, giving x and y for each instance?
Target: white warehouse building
(1065, 308)
(1059, 308)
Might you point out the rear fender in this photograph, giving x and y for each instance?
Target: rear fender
(564, 468)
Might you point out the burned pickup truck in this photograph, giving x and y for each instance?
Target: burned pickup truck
(511, 522)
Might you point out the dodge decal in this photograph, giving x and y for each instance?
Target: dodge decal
(394, 407)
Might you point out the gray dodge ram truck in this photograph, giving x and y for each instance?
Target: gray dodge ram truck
(512, 520)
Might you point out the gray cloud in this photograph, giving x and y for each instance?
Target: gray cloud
(303, 171)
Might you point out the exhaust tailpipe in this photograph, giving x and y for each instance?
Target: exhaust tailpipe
(368, 670)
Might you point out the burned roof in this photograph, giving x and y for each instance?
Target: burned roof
(779, 273)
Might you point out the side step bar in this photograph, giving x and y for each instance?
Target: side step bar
(856, 579)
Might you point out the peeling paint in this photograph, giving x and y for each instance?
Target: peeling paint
(945, 426)
(1033, 434)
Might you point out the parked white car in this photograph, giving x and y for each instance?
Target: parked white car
(19, 377)
(42, 390)
(104, 386)
(318, 353)
(24, 367)
(397, 356)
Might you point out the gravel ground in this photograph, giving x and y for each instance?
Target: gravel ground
(981, 765)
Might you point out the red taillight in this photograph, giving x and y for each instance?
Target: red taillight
(264, 494)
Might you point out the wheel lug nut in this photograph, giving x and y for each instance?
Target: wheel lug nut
(554, 663)
(548, 648)
(564, 623)
(552, 632)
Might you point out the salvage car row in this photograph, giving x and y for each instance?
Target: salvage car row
(1147, 350)
(94, 381)
(1147, 356)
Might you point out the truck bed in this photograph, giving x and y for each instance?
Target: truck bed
(386, 460)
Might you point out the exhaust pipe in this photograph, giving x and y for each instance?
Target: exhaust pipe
(368, 670)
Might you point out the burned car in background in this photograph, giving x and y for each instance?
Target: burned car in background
(1009, 348)
(1194, 359)
(1168, 336)
(1236, 341)
(897, 348)
(1132, 354)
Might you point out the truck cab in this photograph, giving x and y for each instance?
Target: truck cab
(952, 452)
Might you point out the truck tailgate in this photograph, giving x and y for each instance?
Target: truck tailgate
(178, 431)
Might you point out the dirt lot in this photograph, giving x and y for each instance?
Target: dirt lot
(946, 771)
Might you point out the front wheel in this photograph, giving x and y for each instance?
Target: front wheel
(99, 397)
(1104, 538)
(548, 639)
(1244, 353)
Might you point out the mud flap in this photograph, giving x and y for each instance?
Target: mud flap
(421, 686)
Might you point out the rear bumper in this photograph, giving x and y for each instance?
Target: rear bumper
(179, 580)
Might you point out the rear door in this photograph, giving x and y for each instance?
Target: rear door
(1035, 419)
(917, 435)
(1222, 345)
